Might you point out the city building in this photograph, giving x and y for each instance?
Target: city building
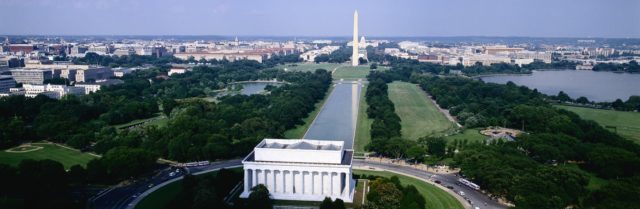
(176, 69)
(91, 73)
(6, 82)
(304, 170)
(93, 87)
(31, 76)
(310, 56)
(51, 91)
(501, 49)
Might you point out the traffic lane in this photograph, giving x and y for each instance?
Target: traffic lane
(477, 198)
(164, 177)
(121, 196)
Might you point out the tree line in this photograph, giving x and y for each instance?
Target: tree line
(550, 166)
(632, 103)
(631, 67)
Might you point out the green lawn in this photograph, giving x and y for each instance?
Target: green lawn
(471, 135)
(436, 198)
(359, 194)
(299, 131)
(627, 124)
(163, 196)
(420, 117)
(67, 157)
(363, 127)
(308, 67)
(351, 73)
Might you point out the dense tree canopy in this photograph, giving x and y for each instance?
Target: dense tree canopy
(549, 166)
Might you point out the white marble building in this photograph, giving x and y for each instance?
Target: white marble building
(307, 170)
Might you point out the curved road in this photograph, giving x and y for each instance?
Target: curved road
(475, 198)
(126, 197)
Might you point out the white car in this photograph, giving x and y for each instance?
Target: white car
(172, 174)
(461, 193)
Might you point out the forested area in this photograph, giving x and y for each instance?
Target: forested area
(550, 166)
(196, 129)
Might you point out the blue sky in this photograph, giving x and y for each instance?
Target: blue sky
(540, 18)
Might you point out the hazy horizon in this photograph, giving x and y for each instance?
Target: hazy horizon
(332, 18)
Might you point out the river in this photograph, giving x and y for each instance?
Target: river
(596, 86)
(337, 118)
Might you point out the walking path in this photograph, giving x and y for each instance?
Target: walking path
(443, 111)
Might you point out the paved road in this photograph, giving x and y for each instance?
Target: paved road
(122, 197)
(477, 199)
(125, 197)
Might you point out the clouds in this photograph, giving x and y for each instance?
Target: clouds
(549, 18)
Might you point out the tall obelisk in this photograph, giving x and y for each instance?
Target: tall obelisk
(354, 56)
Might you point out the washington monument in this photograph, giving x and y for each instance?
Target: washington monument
(355, 56)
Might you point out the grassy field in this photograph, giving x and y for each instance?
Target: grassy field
(308, 67)
(67, 157)
(627, 124)
(420, 117)
(351, 73)
(363, 127)
(471, 135)
(161, 197)
(436, 198)
(299, 131)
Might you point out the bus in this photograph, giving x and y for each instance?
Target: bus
(469, 184)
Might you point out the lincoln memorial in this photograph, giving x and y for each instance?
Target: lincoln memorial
(307, 170)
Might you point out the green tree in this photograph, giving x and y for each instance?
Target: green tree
(168, 105)
(326, 203)
(373, 66)
(435, 146)
(338, 204)
(124, 162)
(259, 198)
(416, 153)
(383, 195)
(582, 100)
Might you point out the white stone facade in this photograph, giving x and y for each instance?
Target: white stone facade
(306, 170)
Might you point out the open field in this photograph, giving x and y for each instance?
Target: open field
(471, 135)
(298, 131)
(351, 73)
(68, 157)
(420, 117)
(308, 66)
(163, 196)
(436, 198)
(363, 127)
(627, 124)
